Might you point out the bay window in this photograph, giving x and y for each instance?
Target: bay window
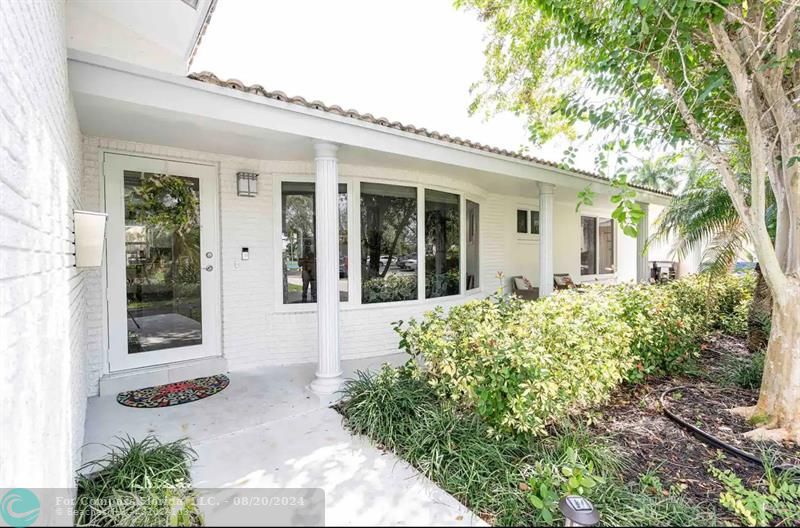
(473, 245)
(442, 241)
(388, 243)
(407, 242)
(298, 228)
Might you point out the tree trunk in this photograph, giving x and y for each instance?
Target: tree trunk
(759, 316)
(779, 399)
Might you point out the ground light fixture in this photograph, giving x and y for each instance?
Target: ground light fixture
(578, 511)
(247, 184)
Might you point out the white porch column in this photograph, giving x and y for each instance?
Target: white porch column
(545, 239)
(329, 372)
(642, 260)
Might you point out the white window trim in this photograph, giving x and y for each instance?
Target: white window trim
(277, 207)
(598, 216)
(526, 237)
(354, 243)
(465, 227)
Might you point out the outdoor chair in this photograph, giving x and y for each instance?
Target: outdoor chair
(563, 281)
(522, 288)
(663, 271)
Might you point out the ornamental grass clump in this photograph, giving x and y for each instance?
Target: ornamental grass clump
(138, 483)
(509, 480)
(524, 365)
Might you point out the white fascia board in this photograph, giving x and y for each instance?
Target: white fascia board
(107, 78)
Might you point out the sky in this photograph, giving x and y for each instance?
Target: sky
(411, 61)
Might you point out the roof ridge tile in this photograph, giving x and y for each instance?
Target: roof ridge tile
(235, 84)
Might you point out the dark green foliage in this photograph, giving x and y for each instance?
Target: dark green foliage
(138, 483)
(509, 481)
(384, 406)
(745, 372)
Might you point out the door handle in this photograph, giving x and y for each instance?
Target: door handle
(209, 268)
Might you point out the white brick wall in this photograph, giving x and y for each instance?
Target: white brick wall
(254, 333)
(42, 311)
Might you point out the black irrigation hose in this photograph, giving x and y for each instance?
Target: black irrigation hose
(711, 439)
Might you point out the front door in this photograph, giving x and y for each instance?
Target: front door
(163, 272)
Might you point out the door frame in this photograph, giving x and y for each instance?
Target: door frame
(114, 163)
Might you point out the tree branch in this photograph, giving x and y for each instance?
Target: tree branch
(759, 159)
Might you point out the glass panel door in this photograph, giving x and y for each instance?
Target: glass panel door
(163, 281)
(162, 261)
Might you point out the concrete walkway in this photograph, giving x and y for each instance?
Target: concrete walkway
(266, 431)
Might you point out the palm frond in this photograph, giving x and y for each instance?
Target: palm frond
(721, 252)
(695, 217)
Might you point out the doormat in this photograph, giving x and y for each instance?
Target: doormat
(174, 393)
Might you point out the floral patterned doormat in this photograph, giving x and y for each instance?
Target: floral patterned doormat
(174, 393)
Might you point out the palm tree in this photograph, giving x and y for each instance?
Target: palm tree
(702, 216)
(660, 173)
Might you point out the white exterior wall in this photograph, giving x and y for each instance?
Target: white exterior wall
(257, 330)
(42, 332)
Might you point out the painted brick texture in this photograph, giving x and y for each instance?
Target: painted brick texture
(42, 310)
(256, 329)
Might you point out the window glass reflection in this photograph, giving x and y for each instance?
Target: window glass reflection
(388, 243)
(442, 239)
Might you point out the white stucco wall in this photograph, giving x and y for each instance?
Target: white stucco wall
(42, 331)
(257, 330)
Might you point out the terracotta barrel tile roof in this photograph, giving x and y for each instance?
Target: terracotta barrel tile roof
(235, 84)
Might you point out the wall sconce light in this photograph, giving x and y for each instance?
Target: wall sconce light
(90, 233)
(247, 183)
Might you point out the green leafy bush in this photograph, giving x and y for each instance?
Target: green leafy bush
(138, 483)
(385, 406)
(666, 323)
(778, 500)
(526, 365)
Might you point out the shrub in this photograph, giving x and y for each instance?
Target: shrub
(524, 365)
(390, 288)
(508, 480)
(139, 483)
(666, 325)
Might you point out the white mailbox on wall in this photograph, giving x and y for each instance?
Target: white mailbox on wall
(90, 233)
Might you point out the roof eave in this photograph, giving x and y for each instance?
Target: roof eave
(397, 126)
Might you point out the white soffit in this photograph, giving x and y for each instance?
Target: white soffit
(159, 34)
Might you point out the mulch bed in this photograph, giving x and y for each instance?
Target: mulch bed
(635, 422)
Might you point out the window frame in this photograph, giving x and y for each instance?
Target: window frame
(598, 217)
(529, 209)
(462, 265)
(464, 240)
(353, 183)
(277, 218)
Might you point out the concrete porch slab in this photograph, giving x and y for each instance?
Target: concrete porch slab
(266, 431)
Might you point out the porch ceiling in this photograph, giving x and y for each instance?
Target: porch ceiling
(114, 119)
(122, 101)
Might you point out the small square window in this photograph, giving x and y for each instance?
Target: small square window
(522, 221)
(534, 222)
